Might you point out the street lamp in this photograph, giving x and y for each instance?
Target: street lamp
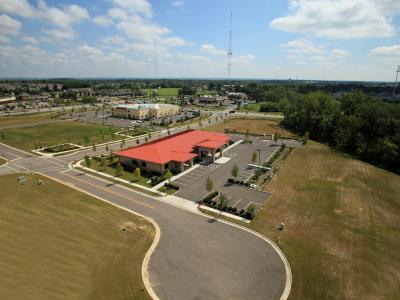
(259, 159)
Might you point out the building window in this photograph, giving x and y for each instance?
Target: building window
(166, 166)
(144, 165)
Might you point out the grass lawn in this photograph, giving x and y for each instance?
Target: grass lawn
(57, 133)
(59, 243)
(163, 92)
(110, 169)
(342, 235)
(27, 119)
(255, 126)
(2, 161)
(255, 107)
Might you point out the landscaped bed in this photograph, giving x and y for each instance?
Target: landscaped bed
(60, 148)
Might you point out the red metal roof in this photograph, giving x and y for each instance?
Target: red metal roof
(178, 147)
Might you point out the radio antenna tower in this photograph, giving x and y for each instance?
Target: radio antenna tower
(229, 53)
(395, 82)
(155, 61)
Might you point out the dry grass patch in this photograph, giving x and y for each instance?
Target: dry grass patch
(255, 126)
(27, 119)
(342, 235)
(58, 243)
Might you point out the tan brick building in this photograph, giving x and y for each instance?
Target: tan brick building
(145, 111)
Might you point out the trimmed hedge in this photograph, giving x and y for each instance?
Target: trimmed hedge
(208, 198)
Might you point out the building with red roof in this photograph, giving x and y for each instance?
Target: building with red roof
(174, 152)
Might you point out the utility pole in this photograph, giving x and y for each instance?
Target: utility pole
(229, 53)
(395, 82)
(155, 61)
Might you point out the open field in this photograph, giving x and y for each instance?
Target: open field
(341, 217)
(16, 120)
(59, 243)
(255, 126)
(255, 107)
(57, 133)
(163, 92)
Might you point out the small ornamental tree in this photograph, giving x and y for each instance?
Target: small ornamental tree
(209, 184)
(168, 175)
(88, 162)
(235, 171)
(222, 202)
(94, 148)
(118, 170)
(103, 162)
(247, 134)
(251, 211)
(137, 173)
(107, 148)
(254, 157)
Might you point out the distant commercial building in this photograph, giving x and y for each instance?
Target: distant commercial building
(144, 111)
(213, 100)
(176, 152)
(237, 96)
(7, 99)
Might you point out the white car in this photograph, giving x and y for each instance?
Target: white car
(253, 186)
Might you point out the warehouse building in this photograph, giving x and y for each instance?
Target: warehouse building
(176, 152)
(145, 111)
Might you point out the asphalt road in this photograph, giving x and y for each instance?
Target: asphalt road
(197, 257)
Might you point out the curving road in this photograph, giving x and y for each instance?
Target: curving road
(197, 257)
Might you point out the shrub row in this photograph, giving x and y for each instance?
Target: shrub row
(208, 198)
(239, 182)
(229, 209)
(172, 186)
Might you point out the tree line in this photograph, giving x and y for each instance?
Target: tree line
(355, 123)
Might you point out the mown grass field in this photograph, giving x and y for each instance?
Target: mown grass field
(255, 126)
(58, 243)
(57, 133)
(163, 92)
(25, 119)
(342, 233)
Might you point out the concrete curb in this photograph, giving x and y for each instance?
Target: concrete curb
(146, 260)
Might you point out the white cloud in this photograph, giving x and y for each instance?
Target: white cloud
(246, 58)
(303, 49)
(194, 58)
(62, 18)
(30, 40)
(60, 34)
(339, 52)
(172, 41)
(114, 40)
(177, 3)
(340, 18)
(90, 51)
(135, 6)
(102, 21)
(8, 27)
(140, 29)
(17, 7)
(386, 51)
(212, 50)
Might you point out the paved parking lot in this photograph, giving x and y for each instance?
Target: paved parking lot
(192, 184)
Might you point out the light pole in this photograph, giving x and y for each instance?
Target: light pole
(259, 160)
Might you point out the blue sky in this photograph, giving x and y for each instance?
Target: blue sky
(307, 39)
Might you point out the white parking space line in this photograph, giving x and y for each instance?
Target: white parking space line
(237, 203)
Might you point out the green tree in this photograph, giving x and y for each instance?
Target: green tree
(235, 171)
(118, 170)
(254, 157)
(94, 148)
(86, 140)
(107, 148)
(103, 162)
(137, 173)
(251, 211)
(88, 161)
(168, 175)
(222, 202)
(209, 184)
